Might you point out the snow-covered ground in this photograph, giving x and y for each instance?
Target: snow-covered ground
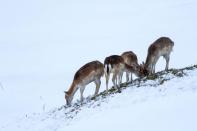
(44, 42)
(169, 106)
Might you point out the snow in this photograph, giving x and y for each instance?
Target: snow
(170, 106)
(44, 42)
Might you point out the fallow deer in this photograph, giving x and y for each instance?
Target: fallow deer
(161, 47)
(130, 58)
(90, 72)
(115, 64)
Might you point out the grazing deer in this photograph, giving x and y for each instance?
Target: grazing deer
(130, 58)
(115, 64)
(161, 47)
(91, 72)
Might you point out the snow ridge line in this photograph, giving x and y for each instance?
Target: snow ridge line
(159, 78)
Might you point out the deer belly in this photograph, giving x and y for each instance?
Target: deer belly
(165, 51)
(90, 78)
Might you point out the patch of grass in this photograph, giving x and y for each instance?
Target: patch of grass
(160, 76)
(152, 77)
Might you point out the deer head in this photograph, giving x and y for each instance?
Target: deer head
(143, 70)
(68, 98)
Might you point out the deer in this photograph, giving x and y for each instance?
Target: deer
(161, 47)
(131, 59)
(90, 72)
(115, 65)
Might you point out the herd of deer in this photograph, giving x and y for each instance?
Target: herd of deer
(117, 65)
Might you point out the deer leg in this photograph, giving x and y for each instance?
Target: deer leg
(167, 61)
(119, 78)
(121, 75)
(154, 68)
(114, 80)
(98, 84)
(107, 76)
(131, 77)
(127, 77)
(151, 68)
(81, 92)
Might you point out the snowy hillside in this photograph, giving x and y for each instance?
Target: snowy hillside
(44, 42)
(166, 101)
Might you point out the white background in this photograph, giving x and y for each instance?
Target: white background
(44, 42)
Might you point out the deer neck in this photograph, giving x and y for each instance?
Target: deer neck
(128, 68)
(72, 90)
(148, 61)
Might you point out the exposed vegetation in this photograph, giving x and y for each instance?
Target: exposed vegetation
(159, 77)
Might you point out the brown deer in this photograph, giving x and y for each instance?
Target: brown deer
(130, 58)
(115, 64)
(90, 72)
(161, 47)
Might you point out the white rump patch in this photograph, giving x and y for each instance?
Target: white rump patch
(109, 66)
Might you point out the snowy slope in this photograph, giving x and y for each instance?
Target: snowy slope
(165, 103)
(44, 42)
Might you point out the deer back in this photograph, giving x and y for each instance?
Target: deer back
(113, 63)
(94, 67)
(130, 58)
(162, 46)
